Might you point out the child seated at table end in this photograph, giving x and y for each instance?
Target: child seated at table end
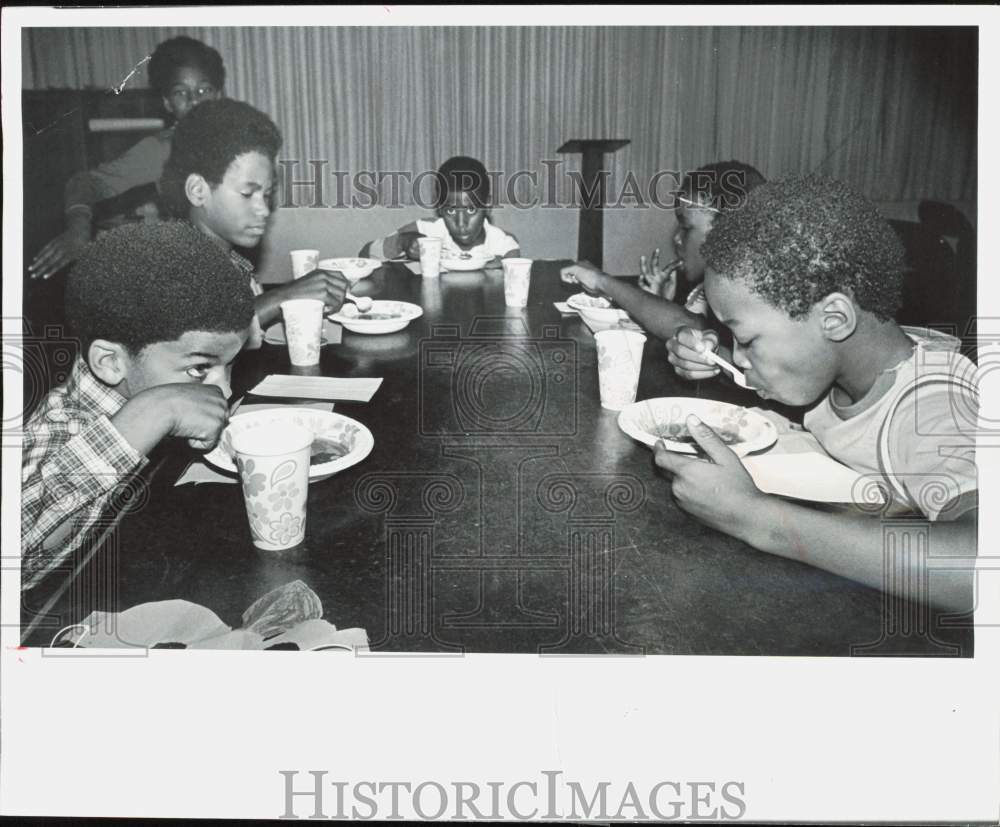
(704, 194)
(160, 315)
(220, 176)
(462, 201)
(808, 276)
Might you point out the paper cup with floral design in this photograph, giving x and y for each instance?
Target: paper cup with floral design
(273, 462)
(303, 330)
(303, 262)
(619, 360)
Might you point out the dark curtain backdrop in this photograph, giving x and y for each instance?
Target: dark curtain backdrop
(891, 111)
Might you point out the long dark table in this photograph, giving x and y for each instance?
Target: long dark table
(501, 510)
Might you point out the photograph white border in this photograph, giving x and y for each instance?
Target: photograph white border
(205, 734)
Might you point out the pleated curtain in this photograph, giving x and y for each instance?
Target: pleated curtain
(891, 111)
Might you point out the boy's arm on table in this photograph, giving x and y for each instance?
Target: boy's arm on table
(722, 494)
(68, 477)
(654, 314)
(329, 286)
(398, 244)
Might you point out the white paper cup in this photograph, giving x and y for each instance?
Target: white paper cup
(619, 360)
(430, 257)
(273, 461)
(303, 330)
(303, 261)
(516, 281)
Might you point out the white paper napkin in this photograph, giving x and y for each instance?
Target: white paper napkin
(318, 387)
(798, 467)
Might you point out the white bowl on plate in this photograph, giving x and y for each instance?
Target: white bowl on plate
(354, 269)
(652, 420)
(464, 261)
(400, 315)
(342, 430)
(584, 301)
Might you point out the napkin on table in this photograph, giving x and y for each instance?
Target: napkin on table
(318, 387)
(797, 466)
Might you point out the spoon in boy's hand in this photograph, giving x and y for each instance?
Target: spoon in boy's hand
(737, 374)
(363, 303)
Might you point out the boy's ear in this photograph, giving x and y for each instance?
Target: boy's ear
(109, 361)
(197, 190)
(838, 317)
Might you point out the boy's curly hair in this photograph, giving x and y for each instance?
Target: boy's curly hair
(180, 53)
(798, 240)
(213, 135)
(462, 174)
(140, 284)
(723, 186)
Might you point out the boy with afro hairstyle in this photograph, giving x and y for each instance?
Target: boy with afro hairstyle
(160, 314)
(704, 194)
(807, 277)
(220, 177)
(183, 72)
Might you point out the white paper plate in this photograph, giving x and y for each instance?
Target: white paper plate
(326, 424)
(464, 262)
(354, 269)
(402, 314)
(651, 420)
(275, 334)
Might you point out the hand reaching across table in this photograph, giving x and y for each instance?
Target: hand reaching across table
(589, 277)
(329, 286)
(62, 250)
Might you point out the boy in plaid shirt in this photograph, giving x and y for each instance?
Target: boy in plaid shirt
(161, 314)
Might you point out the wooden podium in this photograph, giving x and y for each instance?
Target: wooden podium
(590, 244)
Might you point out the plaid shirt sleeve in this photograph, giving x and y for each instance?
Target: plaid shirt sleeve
(69, 472)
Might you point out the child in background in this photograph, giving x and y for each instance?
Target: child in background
(808, 276)
(160, 314)
(705, 194)
(462, 203)
(184, 72)
(220, 176)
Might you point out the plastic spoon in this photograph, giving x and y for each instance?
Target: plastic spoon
(363, 303)
(738, 376)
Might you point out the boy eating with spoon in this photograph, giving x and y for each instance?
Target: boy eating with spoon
(160, 314)
(220, 176)
(704, 194)
(462, 203)
(807, 277)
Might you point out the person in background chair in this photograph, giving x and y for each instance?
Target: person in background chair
(184, 72)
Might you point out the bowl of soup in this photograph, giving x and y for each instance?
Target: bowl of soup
(665, 419)
(382, 317)
(354, 269)
(338, 441)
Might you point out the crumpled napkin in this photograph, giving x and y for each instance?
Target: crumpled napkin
(288, 617)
